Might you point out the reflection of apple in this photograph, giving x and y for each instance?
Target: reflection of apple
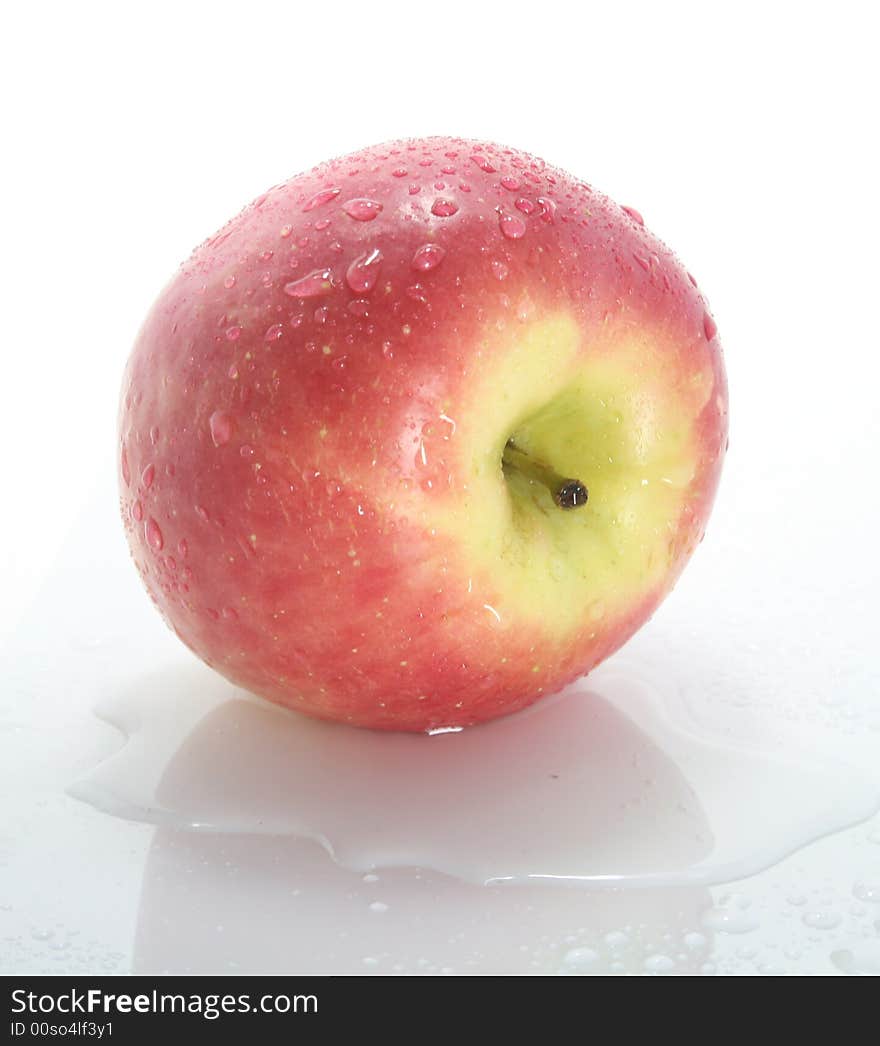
(420, 436)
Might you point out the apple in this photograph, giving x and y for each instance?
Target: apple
(420, 436)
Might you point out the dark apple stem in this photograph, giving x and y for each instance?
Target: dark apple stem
(567, 493)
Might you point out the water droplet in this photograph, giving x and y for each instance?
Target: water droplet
(862, 958)
(525, 205)
(512, 225)
(500, 270)
(147, 476)
(548, 208)
(137, 512)
(821, 919)
(510, 183)
(183, 547)
(869, 892)
(153, 535)
(634, 214)
(483, 164)
(710, 328)
(274, 332)
(428, 257)
(154, 434)
(399, 172)
(126, 473)
(417, 293)
(320, 198)
(229, 613)
(724, 919)
(362, 209)
(580, 960)
(229, 282)
(313, 285)
(694, 942)
(221, 427)
(379, 907)
(364, 271)
(444, 208)
(320, 314)
(232, 333)
(658, 964)
(359, 307)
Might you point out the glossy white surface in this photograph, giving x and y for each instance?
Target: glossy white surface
(706, 743)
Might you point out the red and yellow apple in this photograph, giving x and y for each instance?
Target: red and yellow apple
(346, 422)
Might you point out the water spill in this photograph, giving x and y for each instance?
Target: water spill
(606, 784)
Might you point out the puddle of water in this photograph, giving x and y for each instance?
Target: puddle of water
(606, 784)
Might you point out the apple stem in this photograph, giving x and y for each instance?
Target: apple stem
(566, 493)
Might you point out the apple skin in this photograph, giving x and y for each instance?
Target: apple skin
(296, 480)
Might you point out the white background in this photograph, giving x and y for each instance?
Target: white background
(746, 136)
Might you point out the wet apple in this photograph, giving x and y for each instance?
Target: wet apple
(420, 436)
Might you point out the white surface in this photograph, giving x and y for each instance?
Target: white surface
(745, 139)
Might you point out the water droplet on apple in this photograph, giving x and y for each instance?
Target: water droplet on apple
(274, 332)
(512, 225)
(183, 547)
(320, 198)
(153, 534)
(363, 272)
(362, 209)
(510, 183)
(417, 293)
(399, 172)
(126, 473)
(229, 282)
(634, 214)
(137, 512)
(710, 328)
(500, 270)
(548, 209)
(232, 333)
(147, 476)
(444, 208)
(525, 205)
(821, 919)
(220, 425)
(428, 257)
(483, 164)
(313, 285)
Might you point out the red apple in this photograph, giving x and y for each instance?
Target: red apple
(347, 423)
